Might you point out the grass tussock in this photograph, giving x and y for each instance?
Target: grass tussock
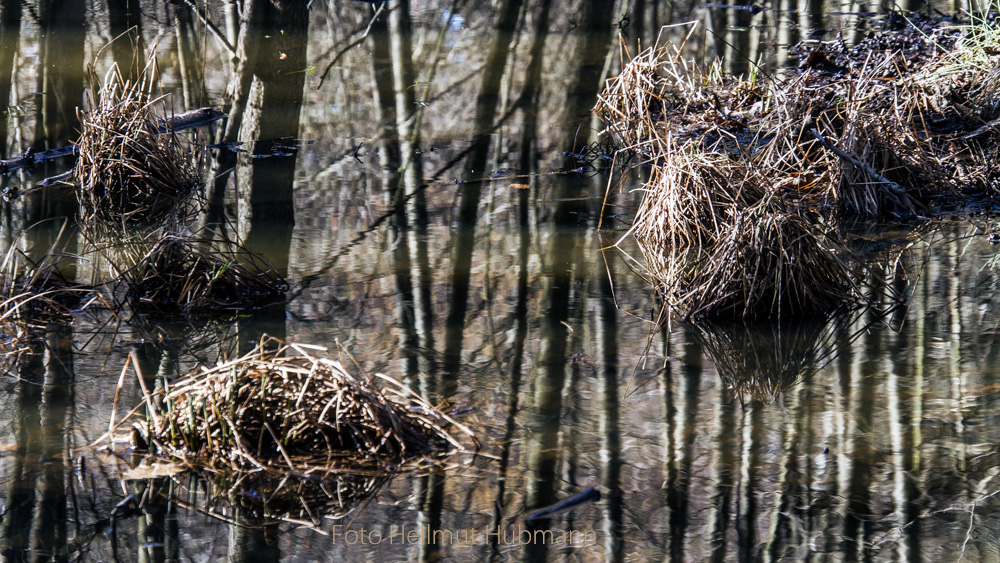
(36, 291)
(35, 287)
(269, 409)
(132, 168)
(749, 175)
(769, 264)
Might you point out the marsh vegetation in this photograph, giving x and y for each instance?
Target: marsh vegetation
(425, 184)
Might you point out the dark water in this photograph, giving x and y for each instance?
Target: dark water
(401, 222)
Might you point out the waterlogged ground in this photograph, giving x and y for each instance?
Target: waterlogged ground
(867, 437)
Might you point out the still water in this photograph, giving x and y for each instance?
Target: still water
(434, 200)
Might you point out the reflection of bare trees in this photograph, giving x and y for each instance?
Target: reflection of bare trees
(610, 421)
(10, 36)
(124, 18)
(887, 451)
(60, 80)
(35, 518)
(471, 192)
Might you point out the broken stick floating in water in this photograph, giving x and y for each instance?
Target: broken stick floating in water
(587, 496)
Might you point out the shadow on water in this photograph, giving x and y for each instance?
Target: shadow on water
(427, 203)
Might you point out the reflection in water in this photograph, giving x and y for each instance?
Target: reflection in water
(427, 216)
(762, 360)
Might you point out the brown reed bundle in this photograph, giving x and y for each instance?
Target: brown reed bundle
(768, 264)
(35, 294)
(177, 275)
(131, 167)
(268, 409)
(656, 95)
(693, 196)
(865, 127)
(35, 291)
(746, 175)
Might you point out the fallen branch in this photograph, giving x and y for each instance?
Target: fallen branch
(893, 186)
(190, 119)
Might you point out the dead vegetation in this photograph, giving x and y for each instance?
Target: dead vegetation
(768, 263)
(752, 176)
(35, 291)
(132, 168)
(302, 412)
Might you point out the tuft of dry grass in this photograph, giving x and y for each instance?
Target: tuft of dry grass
(35, 293)
(749, 175)
(693, 197)
(270, 409)
(131, 168)
(768, 263)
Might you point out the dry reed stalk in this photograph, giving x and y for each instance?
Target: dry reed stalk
(271, 410)
(131, 167)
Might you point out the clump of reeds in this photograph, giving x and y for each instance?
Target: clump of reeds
(35, 294)
(271, 409)
(131, 168)
(767, 264)
(747, 175)
(33, 290)
(658, 94)
(178, 275)
(693, 197)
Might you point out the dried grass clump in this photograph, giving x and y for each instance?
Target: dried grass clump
(131, 168)
(873, 133)
(659, 95)
(268, 409)
(747, 175)
(177, 275)
(34, 292)
(768, 264)
(693, 198)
